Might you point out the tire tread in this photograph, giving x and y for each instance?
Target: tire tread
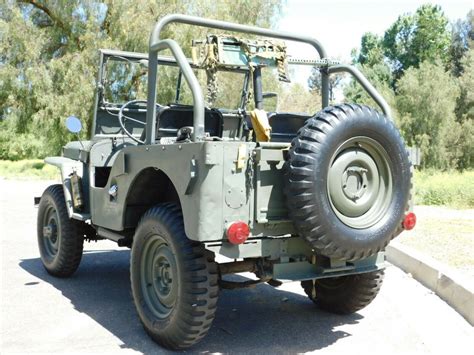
(72, 239)
(357, 292)
(304, 155)
(200, 283)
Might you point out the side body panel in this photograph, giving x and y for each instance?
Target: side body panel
(215, 183)
(196, 172)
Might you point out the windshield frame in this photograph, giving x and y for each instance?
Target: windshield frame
(135, 58)
(106, 54)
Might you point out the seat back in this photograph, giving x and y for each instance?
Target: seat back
(285, 126)
(171, 119)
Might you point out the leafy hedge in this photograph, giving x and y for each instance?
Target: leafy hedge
(445, 188)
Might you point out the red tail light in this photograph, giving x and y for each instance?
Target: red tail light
(409, 221)
(238, 232)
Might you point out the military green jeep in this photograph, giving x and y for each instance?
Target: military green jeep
(184, 178)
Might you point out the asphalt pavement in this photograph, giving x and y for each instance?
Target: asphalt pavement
(93, 311)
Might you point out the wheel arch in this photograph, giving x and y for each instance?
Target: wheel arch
(149, 187)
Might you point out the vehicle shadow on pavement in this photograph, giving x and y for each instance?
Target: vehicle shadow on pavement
(258, 320)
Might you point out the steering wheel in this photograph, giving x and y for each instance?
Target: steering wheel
(122, 118)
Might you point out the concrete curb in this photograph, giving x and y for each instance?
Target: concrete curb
(442, 280)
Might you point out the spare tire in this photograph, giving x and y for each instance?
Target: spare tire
(348, 181)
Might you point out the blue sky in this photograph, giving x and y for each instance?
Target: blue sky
(339, 24)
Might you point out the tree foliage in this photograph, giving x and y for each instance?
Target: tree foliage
(380, 76)
(295, 97)
(413, 39)
(426, 112)
(425, 71)
(371, 50)
(314, 82)
(462, 39)
(49, 60)
(465, 112)
(49, 57)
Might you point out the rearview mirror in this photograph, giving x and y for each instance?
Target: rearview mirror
(73, 124)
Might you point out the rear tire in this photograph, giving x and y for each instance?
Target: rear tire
(60, 239)
(344, 294)
(174, 280)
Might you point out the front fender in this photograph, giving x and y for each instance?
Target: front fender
(67, 167)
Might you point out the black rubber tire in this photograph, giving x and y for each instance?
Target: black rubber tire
(193, 310)
(345, 294)
(65, 261)
(307, 169)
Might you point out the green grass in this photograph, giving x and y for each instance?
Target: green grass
(27, 169)
(445, 234)
(452, 189)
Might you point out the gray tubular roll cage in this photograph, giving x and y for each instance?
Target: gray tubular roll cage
(156, 44)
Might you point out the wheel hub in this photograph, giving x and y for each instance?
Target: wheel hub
(50, 231)
(158, 273)
(354, 182)
(162, 277)
(51, 236)
(359, 182)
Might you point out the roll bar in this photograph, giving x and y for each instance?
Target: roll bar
(192, 81)
(362, 80)
(156, 44)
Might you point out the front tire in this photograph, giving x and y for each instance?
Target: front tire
(174, 280)
(344, 294)
(60, 240)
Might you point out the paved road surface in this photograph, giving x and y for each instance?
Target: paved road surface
(92, 312)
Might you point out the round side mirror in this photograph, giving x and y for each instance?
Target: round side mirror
(73, 124)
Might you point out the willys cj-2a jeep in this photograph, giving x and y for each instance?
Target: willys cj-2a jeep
(288, 197)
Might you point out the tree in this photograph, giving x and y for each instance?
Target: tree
(381, 78)
(371, 62)
(465, 112)
(433, 108)
(314, 82)
(49, 57)
(462, 39)
(465, 107)
(296, 98)
(371, 50)
(426, 99)
(413, 39)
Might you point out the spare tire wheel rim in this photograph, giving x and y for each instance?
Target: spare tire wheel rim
(360, 182)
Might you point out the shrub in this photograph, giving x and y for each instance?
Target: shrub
(445, 188)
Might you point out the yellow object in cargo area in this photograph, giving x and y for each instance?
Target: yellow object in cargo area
(260, 124)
